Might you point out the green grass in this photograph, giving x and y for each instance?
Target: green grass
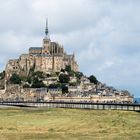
(68, 124)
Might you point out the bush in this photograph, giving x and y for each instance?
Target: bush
(64, 89)
(37, 83)
(69, 71)
(73, 84)
(93, 79)
(29, 79)
(57, 85)
(38, 74)
(64, 78)
(15, 79)
(2, 75)
(78, 75)
(23, 78)
(68, 68)
(62, 70)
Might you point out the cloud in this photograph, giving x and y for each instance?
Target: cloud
(103, 34)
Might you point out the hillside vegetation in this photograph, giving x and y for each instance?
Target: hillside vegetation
(68, 124)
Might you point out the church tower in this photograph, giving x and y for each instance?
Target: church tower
(46, 40)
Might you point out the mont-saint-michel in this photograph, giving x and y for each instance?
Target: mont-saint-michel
(48, 73)
(75, 76)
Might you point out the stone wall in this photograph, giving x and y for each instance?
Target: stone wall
(95, 99)
(17, 93)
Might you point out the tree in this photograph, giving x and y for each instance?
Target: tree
(69, 71)
(62, 70)
(93, 79)
(64, 78)
(2, 75)
(72, 84)
(38, 74)
(15, 79)
(78, 75)
(54, 86)
(64, 89)
(68, 68)
(29, 79)
(38, 83)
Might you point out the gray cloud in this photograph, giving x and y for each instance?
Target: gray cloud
(104, 34)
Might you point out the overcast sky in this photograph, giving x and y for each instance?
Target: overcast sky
(103, 34)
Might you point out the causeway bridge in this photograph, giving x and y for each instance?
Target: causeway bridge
(76, 105)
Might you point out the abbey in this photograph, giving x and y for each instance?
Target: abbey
(51, 57)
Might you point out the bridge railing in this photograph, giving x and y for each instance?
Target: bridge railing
(79, 105)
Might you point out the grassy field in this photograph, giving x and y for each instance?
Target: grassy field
(68, 124)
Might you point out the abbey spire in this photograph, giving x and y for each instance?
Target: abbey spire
(46, 30)
(47, 37)
(46, 40)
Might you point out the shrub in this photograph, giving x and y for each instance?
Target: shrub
(2, 75)
(93, 79)
(64, 78)
(37, 83)
(64, 89)
(15, 79)
(78, 75)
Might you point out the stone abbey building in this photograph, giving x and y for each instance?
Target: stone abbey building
(51, 57)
